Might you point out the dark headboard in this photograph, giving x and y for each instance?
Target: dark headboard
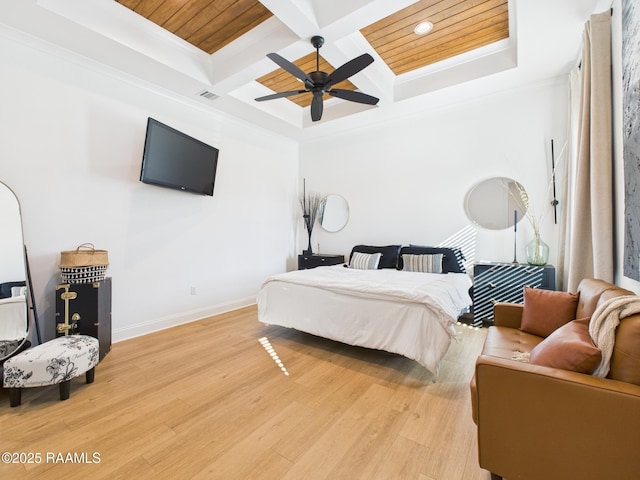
(389, 258)
(5, 288)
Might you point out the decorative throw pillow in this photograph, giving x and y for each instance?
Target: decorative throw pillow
(570, 348)
(452, 261)
(389, 254)
(422, 263)
(365, 261)
(546, 310)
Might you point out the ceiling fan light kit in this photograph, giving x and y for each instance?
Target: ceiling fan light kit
(318, 82)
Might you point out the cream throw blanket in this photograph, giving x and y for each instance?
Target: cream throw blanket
(604, 322)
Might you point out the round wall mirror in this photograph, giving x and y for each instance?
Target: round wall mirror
(496, 203)
(14, 323)
(334, 213)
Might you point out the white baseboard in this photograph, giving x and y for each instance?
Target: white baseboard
(144, 328)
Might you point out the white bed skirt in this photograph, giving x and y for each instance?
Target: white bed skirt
(411, 329)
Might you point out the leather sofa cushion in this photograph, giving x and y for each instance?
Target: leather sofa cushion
(593, 292)
(625, 359)
(570, 348)
(507, 343)
(546, 310)
(502, 342)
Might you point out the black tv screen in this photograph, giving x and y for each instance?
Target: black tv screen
(173, 159)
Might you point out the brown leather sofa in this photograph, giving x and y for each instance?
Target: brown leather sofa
(538, 422)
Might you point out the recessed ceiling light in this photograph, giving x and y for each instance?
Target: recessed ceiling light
(423, 28)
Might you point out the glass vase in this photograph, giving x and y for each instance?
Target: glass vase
(537, 251)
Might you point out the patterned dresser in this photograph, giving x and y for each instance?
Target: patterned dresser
(504, 282)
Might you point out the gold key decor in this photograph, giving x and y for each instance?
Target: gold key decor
(67, 295)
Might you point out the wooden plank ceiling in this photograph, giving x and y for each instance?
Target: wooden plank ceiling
(206, 24)
(459, 26)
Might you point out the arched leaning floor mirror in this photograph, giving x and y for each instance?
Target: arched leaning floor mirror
(16, 296)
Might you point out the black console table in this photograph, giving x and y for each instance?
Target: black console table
(313, 261)
(505, 282)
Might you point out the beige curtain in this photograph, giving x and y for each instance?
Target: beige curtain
(565, 180)
(588, 234)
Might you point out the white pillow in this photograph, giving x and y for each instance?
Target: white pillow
(426, 263)
(18, 291)
(365, 261)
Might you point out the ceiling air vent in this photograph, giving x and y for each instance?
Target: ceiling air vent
(208, 95)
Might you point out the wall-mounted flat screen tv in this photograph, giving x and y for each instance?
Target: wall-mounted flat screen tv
(173, 159)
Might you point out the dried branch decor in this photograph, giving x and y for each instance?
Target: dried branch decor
(310, 204)
(535, 219)
(537, 250)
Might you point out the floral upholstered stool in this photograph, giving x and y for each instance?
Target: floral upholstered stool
(54, 362)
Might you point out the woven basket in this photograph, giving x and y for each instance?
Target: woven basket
(92, 274)
(85, 264)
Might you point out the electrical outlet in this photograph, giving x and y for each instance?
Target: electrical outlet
(193, 290)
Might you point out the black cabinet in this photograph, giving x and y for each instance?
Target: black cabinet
(505, 282)
(313, 261)
(85, 308)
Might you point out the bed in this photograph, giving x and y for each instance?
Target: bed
(406, 303)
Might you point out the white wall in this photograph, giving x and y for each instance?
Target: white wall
(71, 138)
(406, 181)
(72, 135)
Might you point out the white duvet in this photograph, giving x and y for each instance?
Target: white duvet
(13, 318)
(408, 313)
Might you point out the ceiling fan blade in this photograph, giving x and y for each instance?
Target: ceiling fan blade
(353, 96)
(350, 68)
(280, 95)
(290, 67)
(316, 106)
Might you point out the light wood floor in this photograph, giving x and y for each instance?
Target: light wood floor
(207, 400)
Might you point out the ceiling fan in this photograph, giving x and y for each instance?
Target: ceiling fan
(318, 83)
